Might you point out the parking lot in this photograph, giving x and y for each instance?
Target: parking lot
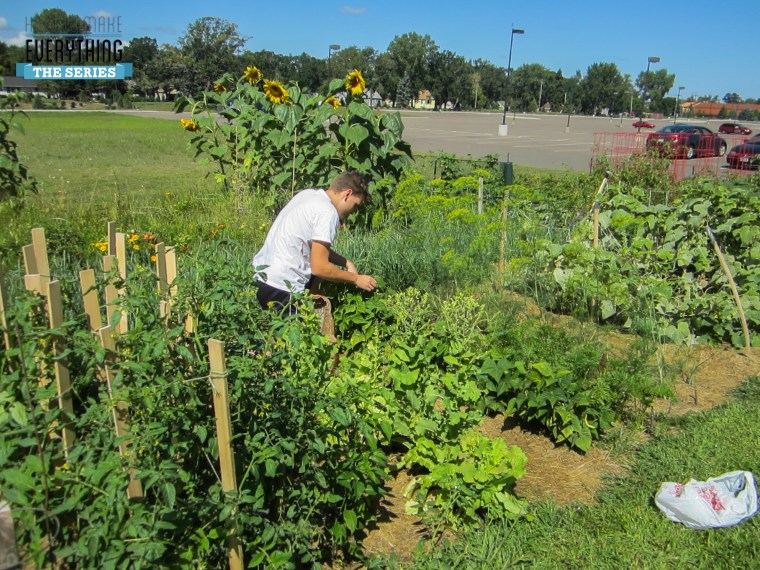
(537, 140)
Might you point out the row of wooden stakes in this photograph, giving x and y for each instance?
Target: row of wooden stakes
(38, 279)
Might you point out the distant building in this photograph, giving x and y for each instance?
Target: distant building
(13, 84)
(424, 100)
(372, 98)
(712, 109)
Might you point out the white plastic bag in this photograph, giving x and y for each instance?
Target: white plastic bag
(718, 502)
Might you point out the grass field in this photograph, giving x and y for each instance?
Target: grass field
(94, 167)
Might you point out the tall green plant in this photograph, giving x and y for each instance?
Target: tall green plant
(14, 175)
(266, 136)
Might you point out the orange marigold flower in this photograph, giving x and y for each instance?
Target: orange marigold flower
(252, 74)
(275, 91)
(220, 87)
(133, 238)
(333, 101)
(189, 125)
(148, 237)
(355, 82)
(213, 232)
(153, 257)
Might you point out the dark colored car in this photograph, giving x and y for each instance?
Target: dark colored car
(733, 129)
(746, 155)
(686, 141)
(643, 125)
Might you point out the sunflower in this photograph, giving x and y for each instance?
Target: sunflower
(252, 74)
(189, 125)
(220, 87)
(333, 101)
(275, 92)
(355, 82)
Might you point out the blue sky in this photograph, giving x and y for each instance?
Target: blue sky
(691, 38)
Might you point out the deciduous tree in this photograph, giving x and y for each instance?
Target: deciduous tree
(210, 46)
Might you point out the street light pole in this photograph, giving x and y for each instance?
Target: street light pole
(330, 49)
(509, 71)
(650, 60)
(675, 111)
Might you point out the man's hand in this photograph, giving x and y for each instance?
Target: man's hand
(366, 282)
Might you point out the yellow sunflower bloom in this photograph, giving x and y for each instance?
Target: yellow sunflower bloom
(189, 125)
(275, 92)
(355, 82)
(333, 101)
(220, 87)
(252, 74)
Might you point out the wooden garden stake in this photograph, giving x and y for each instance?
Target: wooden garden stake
(734, 291)
(90, 299)
(218, 377)
(596, 224)
(121, 256)
(163, 281)
(111, 238)
(36, 263)
(3, 305)
(109, 262)
(40, 251)
(120, 410)
(480, 195)
(62, 379)
(121, 260)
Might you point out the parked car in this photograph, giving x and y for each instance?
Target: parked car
(686, 141)
(745, 156)
(734, 129)
(643, 125)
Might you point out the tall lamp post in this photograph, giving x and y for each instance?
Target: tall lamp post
(509, 71)
(332, 48)
(675, 111)
(650, 60)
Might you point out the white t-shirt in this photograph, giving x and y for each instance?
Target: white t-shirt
(286, 253)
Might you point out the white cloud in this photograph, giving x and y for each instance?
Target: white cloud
(3, 22)
(353, 10)
(102, 14)
(18, 40)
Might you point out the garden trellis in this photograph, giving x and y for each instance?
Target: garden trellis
(39, 280)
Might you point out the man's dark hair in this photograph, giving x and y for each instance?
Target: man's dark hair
(350, 179)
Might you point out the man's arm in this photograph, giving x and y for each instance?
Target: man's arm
(322, 267)
(337, 259)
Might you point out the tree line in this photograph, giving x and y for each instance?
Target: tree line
(412, 62)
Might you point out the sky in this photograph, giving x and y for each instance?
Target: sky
(706, 44)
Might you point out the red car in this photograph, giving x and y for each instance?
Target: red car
(643, 125)
(686, 141)
(733, 129)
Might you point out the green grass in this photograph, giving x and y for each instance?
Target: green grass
(94, 167)
(626, 530)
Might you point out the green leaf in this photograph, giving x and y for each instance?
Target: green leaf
(543, 368)
(357, 134)
(350, 518)
(218, 151)
(289, 115)
(18, 413)
(361, 109)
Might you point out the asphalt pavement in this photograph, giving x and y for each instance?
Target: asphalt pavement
(538, 140)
